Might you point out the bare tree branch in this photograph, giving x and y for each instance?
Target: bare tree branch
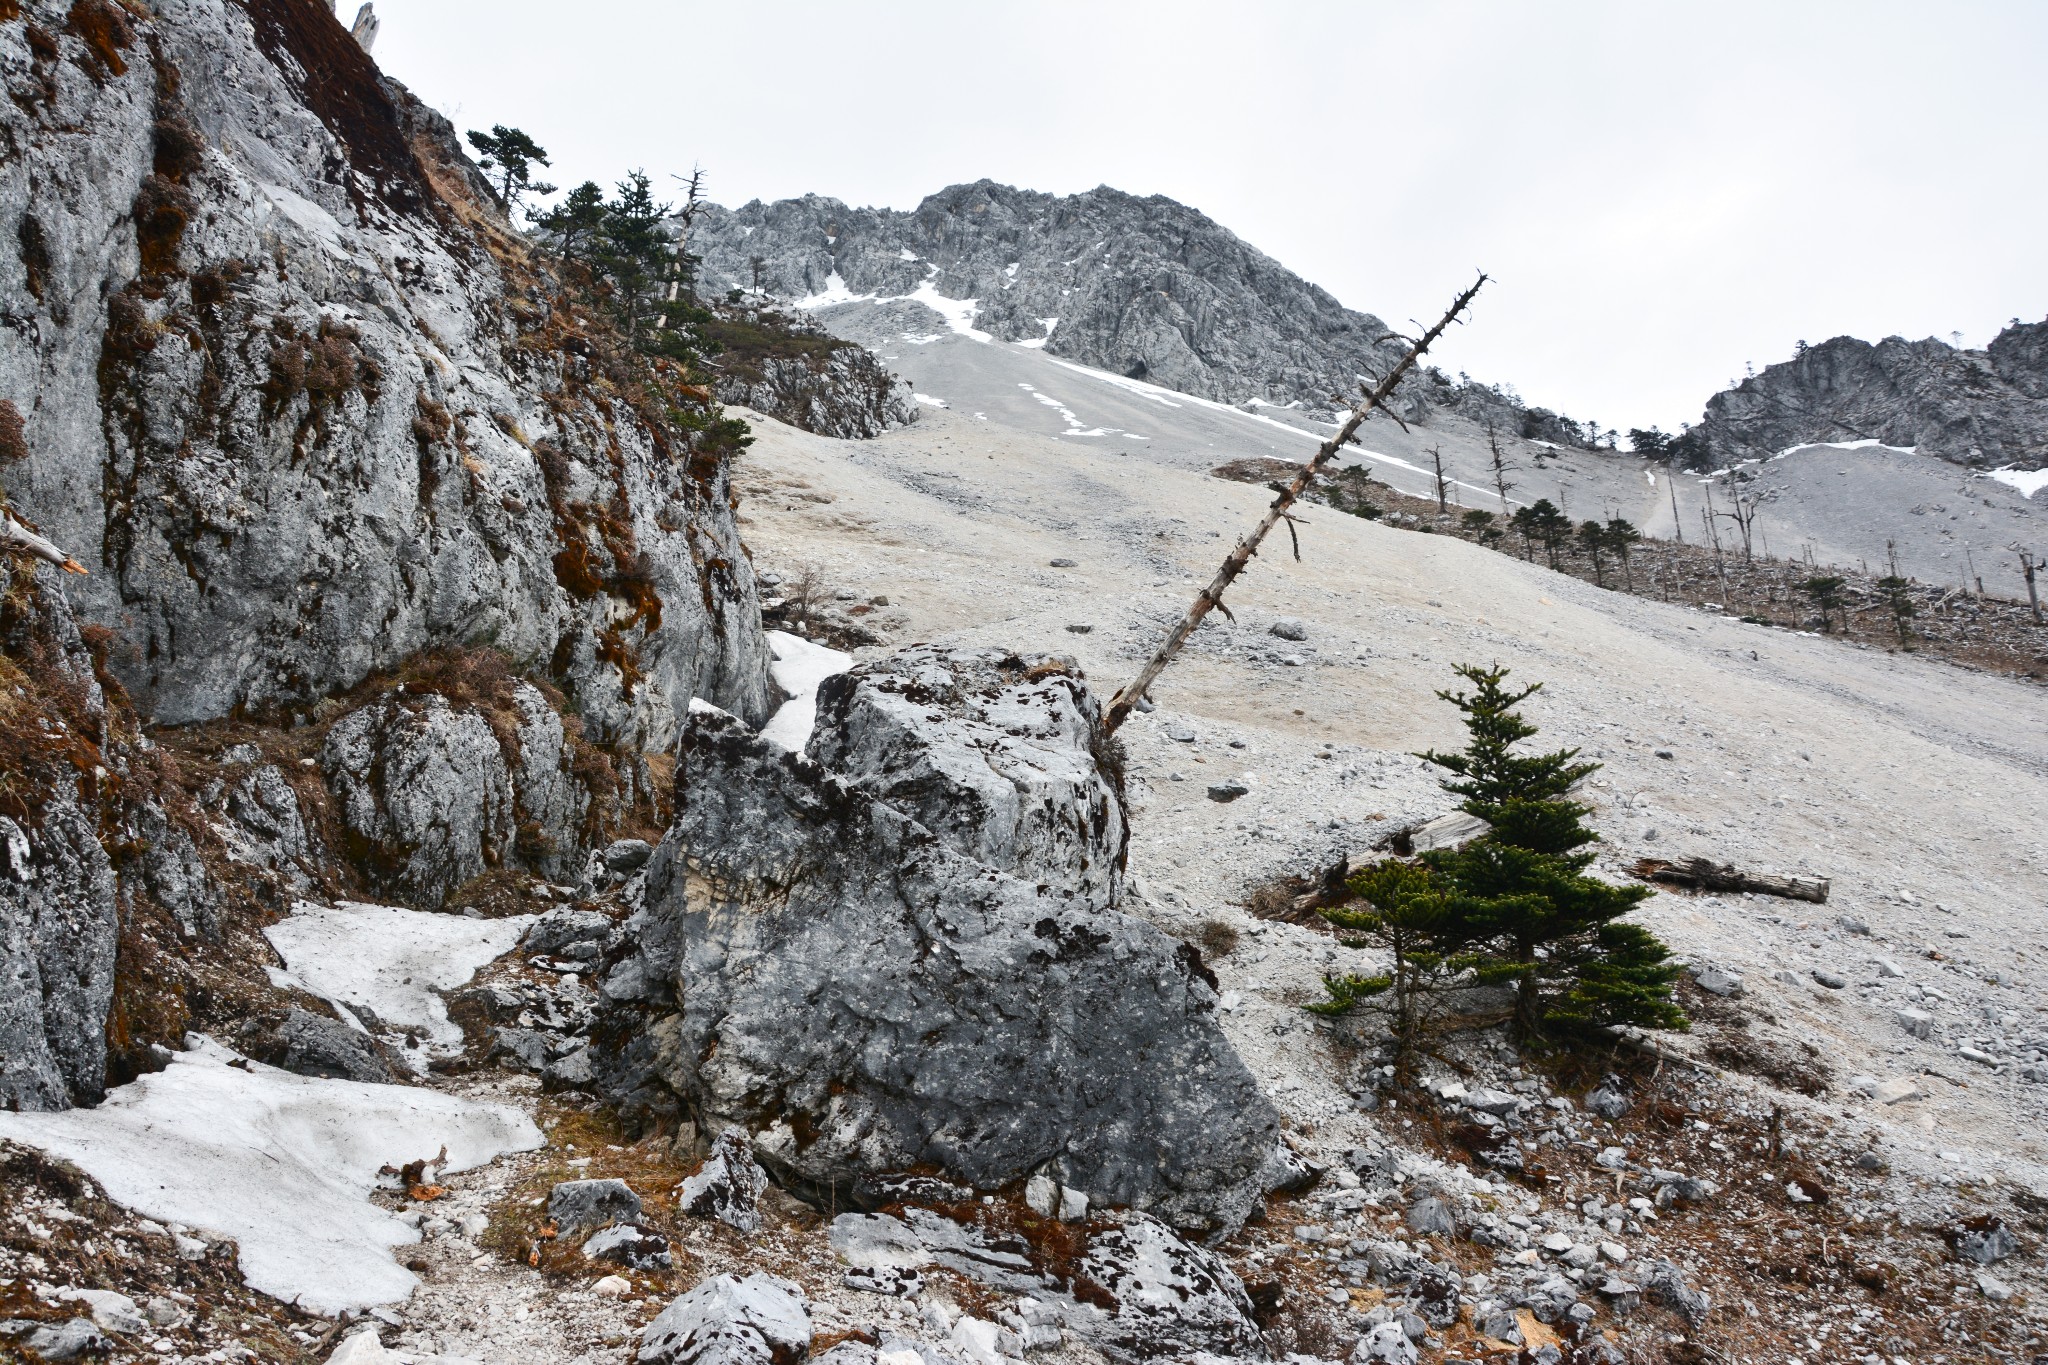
(1234, 563)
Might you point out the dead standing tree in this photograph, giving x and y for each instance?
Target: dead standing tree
(2028, 563)
(1501, 465)
(1234, 563)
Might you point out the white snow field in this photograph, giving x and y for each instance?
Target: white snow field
(282, 1164)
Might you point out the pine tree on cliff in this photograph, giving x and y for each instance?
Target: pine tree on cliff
(575, 222)
(633, 252)
(1553, 932)
(511, 155)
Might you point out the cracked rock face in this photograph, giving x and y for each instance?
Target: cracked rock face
(285, 402)
(1143, 287)
(433, 798)
(1983, 408)
(58, 909)
(992, 753)
(868, 993)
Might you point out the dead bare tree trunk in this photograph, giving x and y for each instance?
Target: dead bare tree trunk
(1501, 466)
(1443, 502)
(2027, 566)
(1234, 563)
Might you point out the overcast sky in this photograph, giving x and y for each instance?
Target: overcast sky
(1664, 191)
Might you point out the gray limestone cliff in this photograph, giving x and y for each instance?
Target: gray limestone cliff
(305, 409)
(396, 577)
(1985, 409)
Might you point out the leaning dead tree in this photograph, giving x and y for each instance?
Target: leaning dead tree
(1234, 563)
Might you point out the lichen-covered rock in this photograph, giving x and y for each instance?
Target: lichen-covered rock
(995, 754)
(577, 1204)
(728, 1186)
(315, 1045)
(433, 793)
(303, 413)
(866, 993)
(424, 790)
(58, 926)
(1171, 1298)
(758, 1320)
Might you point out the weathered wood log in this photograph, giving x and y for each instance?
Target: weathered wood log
(1705, 875)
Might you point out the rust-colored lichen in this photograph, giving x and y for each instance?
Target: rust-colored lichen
(13, 433)
(163, 209)
(104, 29)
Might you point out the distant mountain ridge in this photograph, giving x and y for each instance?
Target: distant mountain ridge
(1985, 409)
(1140, 286)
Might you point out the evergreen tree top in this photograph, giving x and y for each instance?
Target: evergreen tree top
(1491, 775)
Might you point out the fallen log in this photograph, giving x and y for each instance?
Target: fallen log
(1705, 875)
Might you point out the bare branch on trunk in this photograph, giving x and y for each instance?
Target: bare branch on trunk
(1234, 563)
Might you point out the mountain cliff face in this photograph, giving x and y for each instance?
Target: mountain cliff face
(302, 406)
(409, 550)
(1144, 287)
(1985, 409)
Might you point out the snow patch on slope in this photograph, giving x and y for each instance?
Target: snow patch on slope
(391, 962)
(1159, 395)
(798, 668)
(2027, 481)
(1867, 443)
(282, 1164)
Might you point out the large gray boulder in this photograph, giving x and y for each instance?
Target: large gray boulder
(728, 1320)
(995, 755)
(869, 993)
(1170, 1298)
(424, 789)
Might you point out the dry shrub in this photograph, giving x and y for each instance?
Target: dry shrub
(13, 433)
(1216, 938)
(163, 208)
(104, 30)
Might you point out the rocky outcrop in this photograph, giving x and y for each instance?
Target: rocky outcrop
(1985, 409)
(433, 793)
(781, 363)
(59, 914)
(303, 407)
(915, 961)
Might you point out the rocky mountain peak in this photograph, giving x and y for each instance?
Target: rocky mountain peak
(1985, 408)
